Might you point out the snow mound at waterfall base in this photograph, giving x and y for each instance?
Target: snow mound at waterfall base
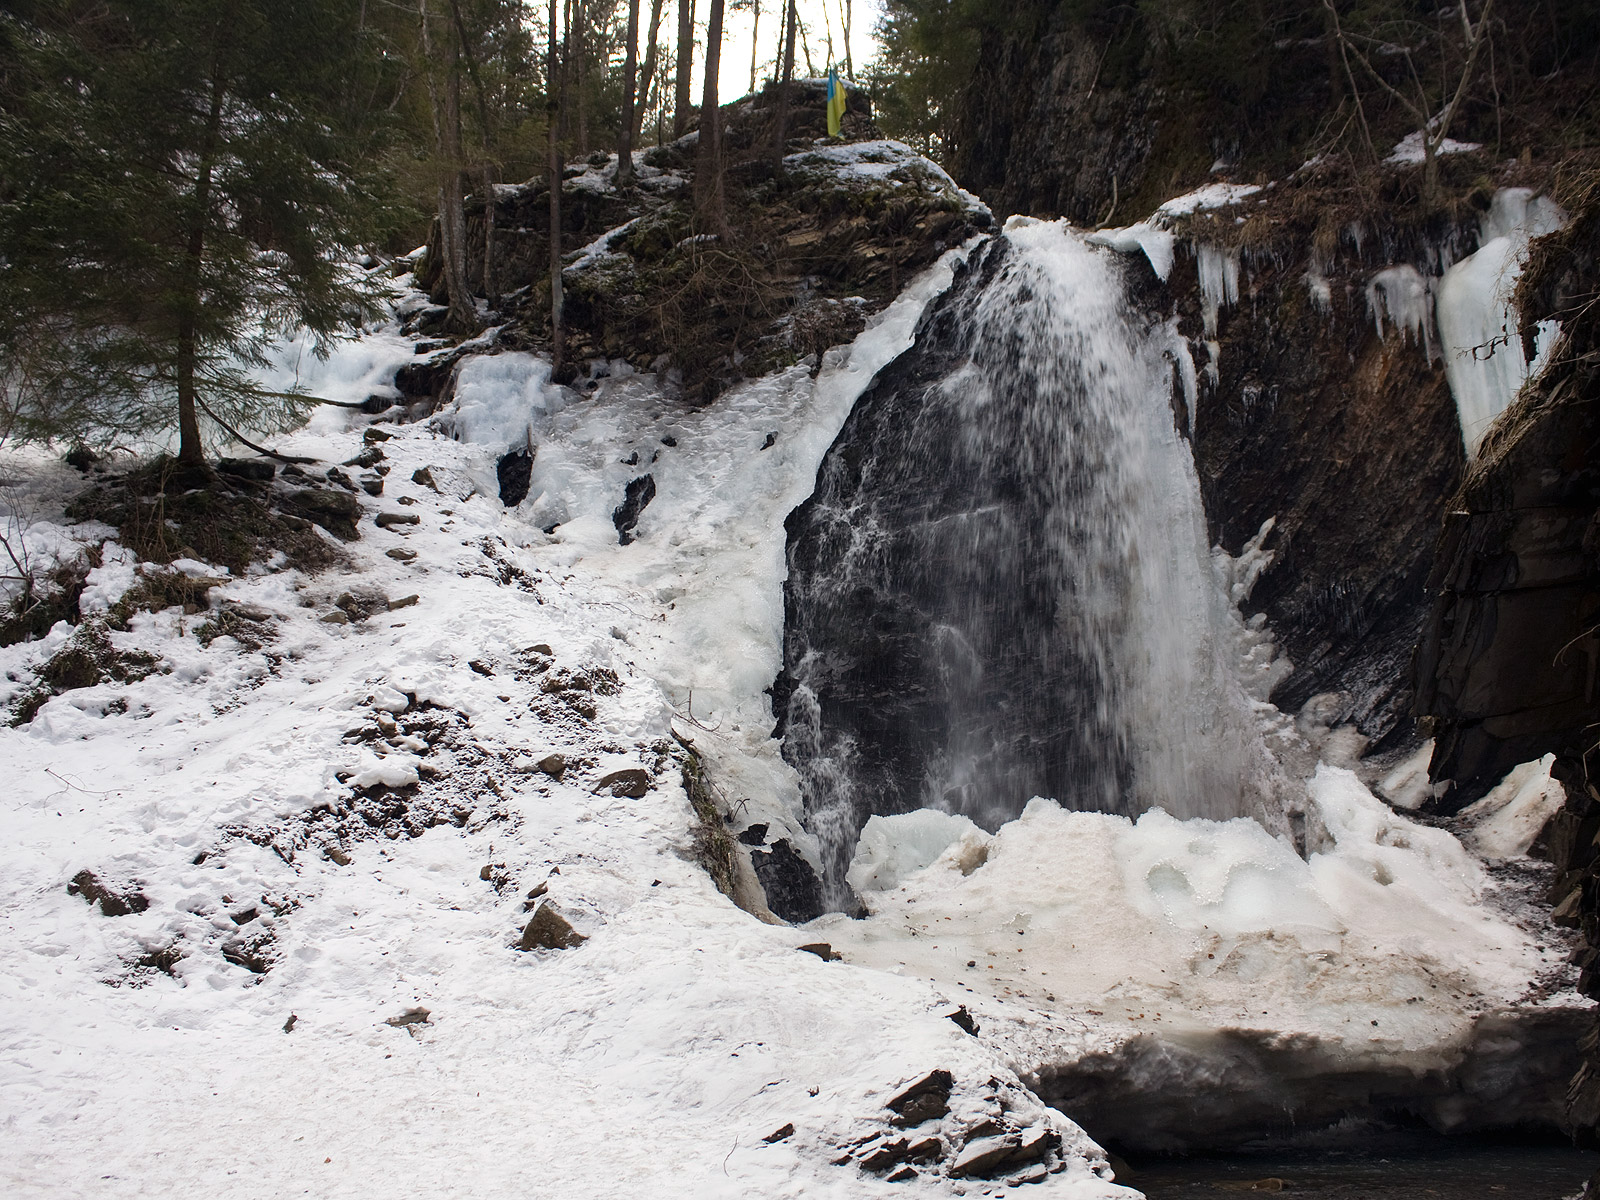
(1383, 956)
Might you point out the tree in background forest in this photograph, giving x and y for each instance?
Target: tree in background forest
(180, 180)
(487, 49)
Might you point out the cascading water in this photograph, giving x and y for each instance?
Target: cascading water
(1002, 587)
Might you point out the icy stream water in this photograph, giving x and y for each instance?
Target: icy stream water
(1002, 586)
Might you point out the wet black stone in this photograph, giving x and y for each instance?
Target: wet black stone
(635, 499)
(258, 469)
(515, 472)
(791, 886)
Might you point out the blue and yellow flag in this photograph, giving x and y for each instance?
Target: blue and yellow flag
(835, 102)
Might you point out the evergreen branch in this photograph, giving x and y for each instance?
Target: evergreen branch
(244, 441)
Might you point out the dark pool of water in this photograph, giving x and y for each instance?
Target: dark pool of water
(1384, 1167)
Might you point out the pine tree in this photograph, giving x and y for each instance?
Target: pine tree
(180, 181)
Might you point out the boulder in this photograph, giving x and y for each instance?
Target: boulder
(549, 930)
(630, 781)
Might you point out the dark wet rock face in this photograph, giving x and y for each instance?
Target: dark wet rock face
(635, 497)
(515, 472)
(791, 887)
(1351, 445)
(1508, 667)
(918, 611)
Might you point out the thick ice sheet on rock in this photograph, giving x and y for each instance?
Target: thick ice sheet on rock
(1478, 327)
(892, 849)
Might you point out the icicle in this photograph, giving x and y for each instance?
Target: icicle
(1219, 281)
(1403, 295)
(1321, 292)
(1478, 325)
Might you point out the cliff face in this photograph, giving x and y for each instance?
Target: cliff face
(1507, 668)
(1101, 119)
(1346, 440)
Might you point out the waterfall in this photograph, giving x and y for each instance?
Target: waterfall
(1002, 587)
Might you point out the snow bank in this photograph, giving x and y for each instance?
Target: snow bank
(1211, 195)
(1409, 151)
(1478, 327)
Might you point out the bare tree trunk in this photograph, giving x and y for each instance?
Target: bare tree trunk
(553, 113)
(487, 173)
(191, 450)
(648, 74)
(491, 283)
(708, 168)
(447, 143)
(849, 67)
(630, 83)
(780, 141)
(680, 117)
(755, 43)
(463, 313)
(580, 59)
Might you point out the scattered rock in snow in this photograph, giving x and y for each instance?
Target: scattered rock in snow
(336, 618)
(402, 554)
(337, 512)
(780, 1134)
(423, 476)
(925, 1100)
(549, 930)
(403, 602)
(254, 953)
(389, 520)
(822, 950)
(964, 1019)
(112, 902)
(411, 1016)
(632, 782)
(373, 434)
(339, 479)
(990, 1157)
(553, 765)
(369, 457)
(372, 484)
(337, 855)
(288, 1026)
(756, 835)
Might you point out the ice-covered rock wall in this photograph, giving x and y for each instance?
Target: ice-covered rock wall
(1002, 586)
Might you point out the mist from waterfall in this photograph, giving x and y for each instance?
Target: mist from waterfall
(1002, 586)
